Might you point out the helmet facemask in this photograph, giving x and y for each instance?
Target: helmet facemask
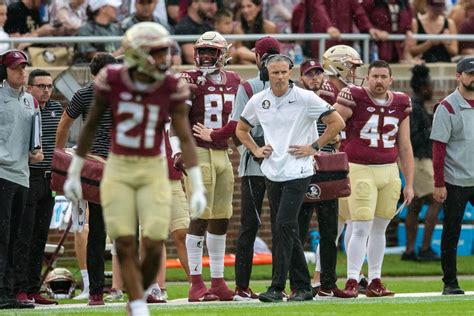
(208, 42)
(342, 61)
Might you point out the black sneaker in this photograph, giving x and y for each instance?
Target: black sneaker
(10, 303)
(363, 283)
(315, 290)
(428, 255)
(301, 295)
(272, 295)
(409, 256)
(452, 290)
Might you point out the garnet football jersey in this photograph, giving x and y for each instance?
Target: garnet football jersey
(328, 92)
(372, 129)
(211, 103)
(138, 116)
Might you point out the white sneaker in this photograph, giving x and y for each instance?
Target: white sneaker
(83, 296)
(155, 296)
(115, 295)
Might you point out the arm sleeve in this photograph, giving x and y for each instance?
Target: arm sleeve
(318, 108)
(249, 115)
(439, 155)
(441, 129)
(360, 16)
(225, 132)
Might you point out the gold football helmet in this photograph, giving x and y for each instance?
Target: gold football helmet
(213, 40)
(341, 61)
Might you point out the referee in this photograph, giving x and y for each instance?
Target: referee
(81, 104)
(34, 228)
(287, 115)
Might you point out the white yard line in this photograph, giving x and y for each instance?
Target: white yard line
(184, 301)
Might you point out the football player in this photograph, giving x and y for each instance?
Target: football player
(340, 64)
(213, 94)
(378, 134)
(142, 95)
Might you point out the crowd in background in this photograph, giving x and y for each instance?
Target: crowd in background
(379, 18)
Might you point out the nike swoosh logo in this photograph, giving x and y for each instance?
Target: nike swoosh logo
(229, 88)
(391, 111)
(196, 268)
(326, 293)
(292, 101)
(6, 101)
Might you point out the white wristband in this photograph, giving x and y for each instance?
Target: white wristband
(76, 165)
(175, 145)
(194, 173)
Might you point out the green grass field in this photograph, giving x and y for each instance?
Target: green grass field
(399, 276)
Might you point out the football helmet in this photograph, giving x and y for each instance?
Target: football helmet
(213, 40)
(140, 41)
(60, 284)
(341, 61)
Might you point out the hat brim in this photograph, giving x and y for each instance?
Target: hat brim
(469, 70)
(311, 68)
(18, 62)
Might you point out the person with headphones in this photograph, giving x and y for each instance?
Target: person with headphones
(16, 121)
(287, 115)
(252, 186)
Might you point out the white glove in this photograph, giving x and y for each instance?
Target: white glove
(198, 198)
(72, 186)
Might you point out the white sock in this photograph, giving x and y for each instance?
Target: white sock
(316, 284)
(216, 249)
(376, 247)
(318, 260)
(357, 248)
(139, 308)
(194, 248)
(85, 280)
(348, 234)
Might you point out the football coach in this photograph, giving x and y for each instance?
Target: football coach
(288, 116)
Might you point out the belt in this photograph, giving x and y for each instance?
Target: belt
(44, 173)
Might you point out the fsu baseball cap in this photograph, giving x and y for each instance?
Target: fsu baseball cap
(265, 45)
(310, 64)
(14, 58)
(465, 65)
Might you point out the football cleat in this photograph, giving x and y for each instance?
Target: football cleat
(352, 288)
(220, 289)
(247, 294)
(377, 289)
(199, 293)
(335, 292)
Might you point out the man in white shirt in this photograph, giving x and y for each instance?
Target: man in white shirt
(288, 116)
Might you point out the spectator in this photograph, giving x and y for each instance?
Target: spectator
(420, 128)
(80, 105)
(3, 34)
(287, 164)
(172, 10)
(144, 12)
(68, 15)
(453, 149)
(393, 17)
(15, 131)
(225, 25)
(434, 21)
(34, 229)
(467, 28)
(252, 21)
(334, 17)
(279, 12)
(23, 19)
(101, 16)
(200, 14)
(459, 12)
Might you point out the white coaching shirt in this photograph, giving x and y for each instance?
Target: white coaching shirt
(286, 120)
